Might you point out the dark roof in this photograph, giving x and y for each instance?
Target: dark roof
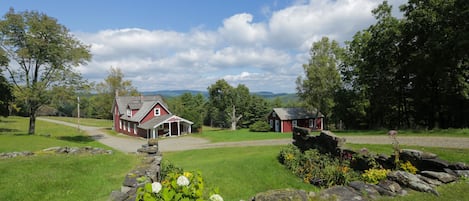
(295, 113)
(143, 103)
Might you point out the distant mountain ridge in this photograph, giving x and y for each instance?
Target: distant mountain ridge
(174, 93)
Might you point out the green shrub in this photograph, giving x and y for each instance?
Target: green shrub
(260, 126)
(315, 168)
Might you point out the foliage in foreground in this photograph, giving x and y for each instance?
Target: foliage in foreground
(315, 168)
(177, 185)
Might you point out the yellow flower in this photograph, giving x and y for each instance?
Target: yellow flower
(188, 174)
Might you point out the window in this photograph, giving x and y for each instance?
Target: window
(271, 122)
(157, 112)
(129, 112)
(311, 123)
(295, 123)
(274, 115)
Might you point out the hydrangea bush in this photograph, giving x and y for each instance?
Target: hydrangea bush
(177, 185)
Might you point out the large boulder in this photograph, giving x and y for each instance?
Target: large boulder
(411, 181)
(283, 195)
(341, 193)
(440, 176)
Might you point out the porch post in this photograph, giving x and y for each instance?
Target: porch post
(190, 128)
(179, 129)
(169, 125)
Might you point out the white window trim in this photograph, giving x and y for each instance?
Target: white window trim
(155, 113)
(129, 112)
(294, 123)
(271, 123)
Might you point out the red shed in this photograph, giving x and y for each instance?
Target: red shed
(284, 119)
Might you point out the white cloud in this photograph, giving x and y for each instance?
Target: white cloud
(265, 55)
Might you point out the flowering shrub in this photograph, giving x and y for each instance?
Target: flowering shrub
(408, 167)
(177, 185)
(373, 175)
(315, 168)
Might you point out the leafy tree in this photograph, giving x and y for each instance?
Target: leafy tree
(413, 71)
(227, 105)
(436, 40)
(45, 53)
(106, 91)
(6, 96)
(322, 78)
(257, 110)
(190, 107)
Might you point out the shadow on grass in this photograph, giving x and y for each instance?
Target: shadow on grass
(78, 138)
(9, 131)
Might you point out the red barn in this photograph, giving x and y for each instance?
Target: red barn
(146, 116)
(284, 119)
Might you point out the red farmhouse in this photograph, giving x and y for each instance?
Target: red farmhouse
(146, 116)
(284, 119)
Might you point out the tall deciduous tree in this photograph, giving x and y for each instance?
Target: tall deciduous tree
(228, 103)
(45, 53)
(106, 91)
(322, 78)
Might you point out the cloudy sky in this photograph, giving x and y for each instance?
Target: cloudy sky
(188, 44)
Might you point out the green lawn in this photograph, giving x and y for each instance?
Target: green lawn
(56, 177)
(239, 173)
(436, 132)
(449, 154)
(14, 137)
(104, 123)
(225, 135)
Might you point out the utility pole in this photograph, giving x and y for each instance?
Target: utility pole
(78, 111)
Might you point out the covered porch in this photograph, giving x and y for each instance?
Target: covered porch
(168, 126)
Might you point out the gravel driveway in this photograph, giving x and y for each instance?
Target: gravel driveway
(131, 144)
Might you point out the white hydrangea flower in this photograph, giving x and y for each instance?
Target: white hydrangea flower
(183, 181)
(156, 187)
(216, 197)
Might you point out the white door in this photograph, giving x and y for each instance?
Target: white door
(277, 125)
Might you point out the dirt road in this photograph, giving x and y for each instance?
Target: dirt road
(131, 144)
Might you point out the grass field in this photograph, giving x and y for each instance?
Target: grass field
(225, 135)
(436, 132)
(56, 177)
(239, 173)
(104, 123)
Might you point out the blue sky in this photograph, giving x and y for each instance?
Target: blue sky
(188, 44)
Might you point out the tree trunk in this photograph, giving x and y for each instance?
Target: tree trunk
(32, 122)
(234, 119)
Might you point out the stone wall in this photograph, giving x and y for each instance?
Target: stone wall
(149, 171)
(57, 150)
(432, 170)
(325, 142)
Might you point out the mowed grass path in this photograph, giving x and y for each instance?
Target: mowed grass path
(103, 123)
(56, 177)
